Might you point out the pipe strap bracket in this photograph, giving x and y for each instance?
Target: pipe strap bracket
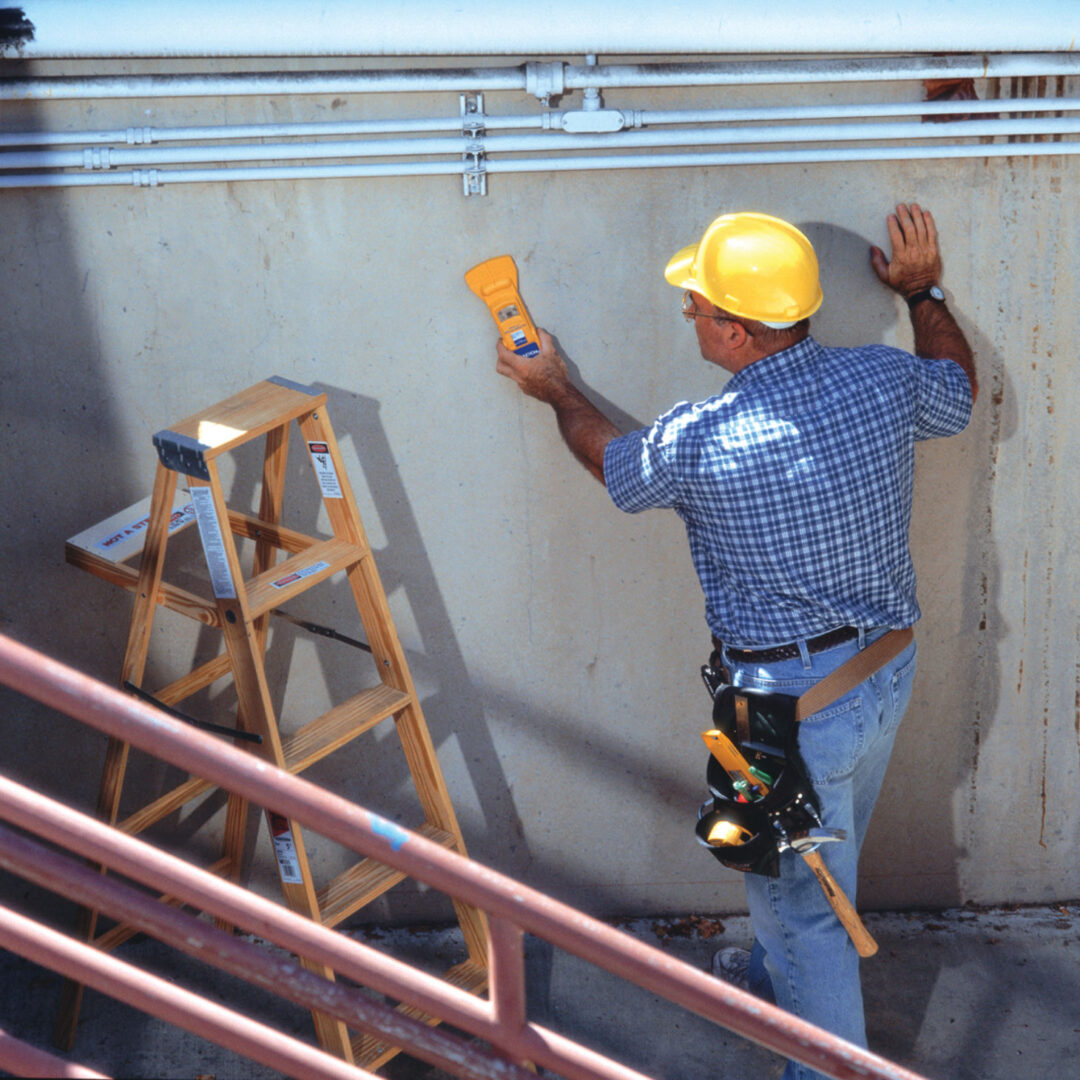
(474, 175)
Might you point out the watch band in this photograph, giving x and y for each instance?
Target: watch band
(933, 293)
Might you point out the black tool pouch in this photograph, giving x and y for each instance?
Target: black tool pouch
(763, 727)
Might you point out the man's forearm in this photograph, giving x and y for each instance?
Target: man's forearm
(937, 337)
(586, 430)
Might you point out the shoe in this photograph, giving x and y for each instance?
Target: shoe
(733, 966)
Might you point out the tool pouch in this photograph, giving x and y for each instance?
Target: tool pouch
(763, 726)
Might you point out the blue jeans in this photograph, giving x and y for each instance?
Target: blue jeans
(801, 948)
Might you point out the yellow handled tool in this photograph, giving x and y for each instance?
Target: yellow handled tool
(734, 764)
(724, 833)
(495, 281)
(864, 944)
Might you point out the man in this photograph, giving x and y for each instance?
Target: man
(795, 486)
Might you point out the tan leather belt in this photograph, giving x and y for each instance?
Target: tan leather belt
(856, 670)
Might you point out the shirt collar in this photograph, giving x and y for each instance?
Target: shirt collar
(776, 367)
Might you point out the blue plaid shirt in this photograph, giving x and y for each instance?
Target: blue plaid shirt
(795, 486)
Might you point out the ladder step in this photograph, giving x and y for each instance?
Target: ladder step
(302, 749)
(370, 1052)
(368, 880)
(299, 573)
(335, 728)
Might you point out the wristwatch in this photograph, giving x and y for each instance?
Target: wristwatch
(933, 293)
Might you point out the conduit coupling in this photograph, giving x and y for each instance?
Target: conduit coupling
(96, 157)
(545, 80)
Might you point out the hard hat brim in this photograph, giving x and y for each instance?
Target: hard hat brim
(680, 269)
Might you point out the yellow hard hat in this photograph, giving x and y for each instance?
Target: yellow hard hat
(752, 265)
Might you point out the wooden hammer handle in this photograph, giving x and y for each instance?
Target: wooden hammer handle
(864, 944)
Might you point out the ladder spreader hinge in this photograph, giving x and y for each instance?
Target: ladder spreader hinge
(182, 454)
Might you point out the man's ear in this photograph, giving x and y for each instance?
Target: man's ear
(735, 333)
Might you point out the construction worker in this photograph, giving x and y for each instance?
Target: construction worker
(795, 486)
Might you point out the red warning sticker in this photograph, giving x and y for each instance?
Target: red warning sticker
(298, 575)
(323, 464)
(284, 848)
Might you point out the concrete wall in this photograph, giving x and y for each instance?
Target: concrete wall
(556, 641)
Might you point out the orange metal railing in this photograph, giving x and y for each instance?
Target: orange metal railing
(512, 908)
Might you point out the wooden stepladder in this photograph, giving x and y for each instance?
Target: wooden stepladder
(240, 609)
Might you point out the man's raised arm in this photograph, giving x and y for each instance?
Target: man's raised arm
(915, 269)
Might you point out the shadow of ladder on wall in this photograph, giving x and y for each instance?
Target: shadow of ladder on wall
(241, 610)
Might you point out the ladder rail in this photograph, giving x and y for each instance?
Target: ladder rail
(243, 633)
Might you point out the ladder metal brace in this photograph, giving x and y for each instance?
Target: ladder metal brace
(474, 175)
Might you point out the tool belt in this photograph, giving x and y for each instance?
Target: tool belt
(766, 804)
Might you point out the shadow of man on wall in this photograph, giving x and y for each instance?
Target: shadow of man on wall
(919, 827)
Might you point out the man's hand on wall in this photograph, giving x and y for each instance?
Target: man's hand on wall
(543, 376)
(915, 263)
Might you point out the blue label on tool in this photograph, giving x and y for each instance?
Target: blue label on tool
(528, 350)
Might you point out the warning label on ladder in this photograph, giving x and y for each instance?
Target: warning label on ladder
(324, 470)
(284, 848)
(297, 575)
(213, 542)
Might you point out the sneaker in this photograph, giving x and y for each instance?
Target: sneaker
(733, 966)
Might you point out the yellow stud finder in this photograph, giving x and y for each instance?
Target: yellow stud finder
(495, 281)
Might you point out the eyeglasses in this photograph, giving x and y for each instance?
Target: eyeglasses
(690, 313)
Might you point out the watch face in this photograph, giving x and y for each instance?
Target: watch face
(936, 292)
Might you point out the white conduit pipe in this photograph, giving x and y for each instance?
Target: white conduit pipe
(267, 84)
(156, 177)
(125, 28)
(547, 121)
(144, 135)
(1005, 65)
(534, 77)
(113, 157)
(137, 136)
